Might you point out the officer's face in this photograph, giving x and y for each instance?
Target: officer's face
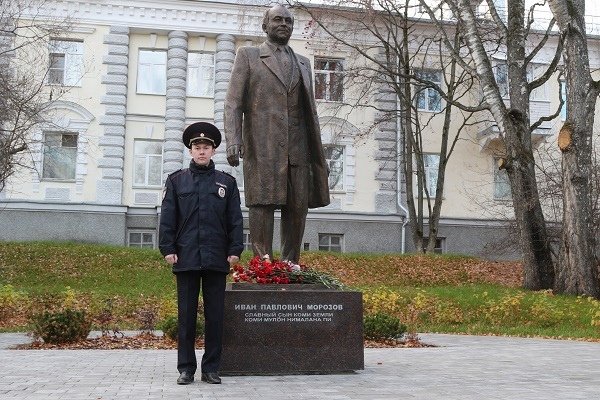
(280, 25)
(202, 152)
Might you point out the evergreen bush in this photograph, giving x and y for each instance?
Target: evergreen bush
(169, 327)
(64, 326)
(382, 326)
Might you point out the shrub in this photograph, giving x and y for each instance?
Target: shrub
(382, 300)
(146, 318)
(105, 318)
(12, 301)
(65, 326)
(382, 326)
(169, 327)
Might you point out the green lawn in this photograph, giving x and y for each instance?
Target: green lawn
(449, 293)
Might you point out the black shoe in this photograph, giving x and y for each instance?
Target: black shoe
(211, 377)
(185, 378)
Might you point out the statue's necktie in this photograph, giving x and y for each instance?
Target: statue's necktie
(286, 64)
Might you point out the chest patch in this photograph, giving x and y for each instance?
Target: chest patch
(221, 191)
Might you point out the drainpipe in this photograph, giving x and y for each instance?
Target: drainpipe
(399, 169)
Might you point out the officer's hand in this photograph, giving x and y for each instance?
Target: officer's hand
(234, 153)
(171, 258)
(233, 260)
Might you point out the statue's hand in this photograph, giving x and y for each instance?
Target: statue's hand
(234, 153)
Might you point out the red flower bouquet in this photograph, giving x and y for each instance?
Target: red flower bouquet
(264, 270)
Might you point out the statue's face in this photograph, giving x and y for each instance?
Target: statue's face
(280, 25)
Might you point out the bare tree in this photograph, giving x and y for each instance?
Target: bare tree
(513, 34)
(402, 59)
(25, 33)
(578, 264)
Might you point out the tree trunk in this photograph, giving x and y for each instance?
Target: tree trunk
(538, 269)
(533, 237)
(578, 265)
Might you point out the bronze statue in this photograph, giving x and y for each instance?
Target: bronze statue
(271, 122)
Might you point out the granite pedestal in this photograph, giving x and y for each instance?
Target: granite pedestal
(291, 329)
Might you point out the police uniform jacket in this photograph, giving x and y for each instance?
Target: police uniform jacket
(256, 117)
(201, 220)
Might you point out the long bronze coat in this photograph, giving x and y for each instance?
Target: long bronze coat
(256, 116)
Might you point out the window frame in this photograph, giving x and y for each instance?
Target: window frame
(246, 240)
(163, 90)
(45, 155)
(427, 92)
(142, 232)
(563, 93)
(147, 158)
(200, 67)
(72, 71)
(540, 93)
(238, 174)
(328, 76)
(427, 169)
(341, 161)
(501, 71)
(328, 246)
(500, 173)
(441, 249)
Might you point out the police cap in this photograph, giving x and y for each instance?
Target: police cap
(201, 131)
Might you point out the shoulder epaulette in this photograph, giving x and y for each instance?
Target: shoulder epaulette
(225, 173)
(174, 174)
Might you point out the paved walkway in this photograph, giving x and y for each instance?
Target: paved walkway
(462, 367)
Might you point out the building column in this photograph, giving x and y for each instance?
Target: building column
(109, 187)
(385, 155)
(224, 58)
(176, 94)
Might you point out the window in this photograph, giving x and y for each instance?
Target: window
(334, 156)
(428, 99)
(66, 63)
(329, 79)
(500, 6)
(201, 75)
(540, 93)
(431, 164)
(247, 241)
(152, 72)
(147, 163)
(238, 174)
(143, 239)
(563, 95)
(60, 156)
(501, 183)
(440, 244)
(501, 73)
(331, 242)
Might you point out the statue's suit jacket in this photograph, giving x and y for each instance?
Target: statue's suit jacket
(256, 116)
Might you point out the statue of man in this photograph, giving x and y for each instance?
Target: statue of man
(271, 122)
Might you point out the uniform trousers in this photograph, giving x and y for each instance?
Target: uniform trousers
(293, 218)
(213, 296)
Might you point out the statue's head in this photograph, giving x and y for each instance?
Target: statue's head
(278, 24)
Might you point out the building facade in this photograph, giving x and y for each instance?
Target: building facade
(129, 76)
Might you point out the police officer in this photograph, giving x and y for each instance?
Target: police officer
(201, 237)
